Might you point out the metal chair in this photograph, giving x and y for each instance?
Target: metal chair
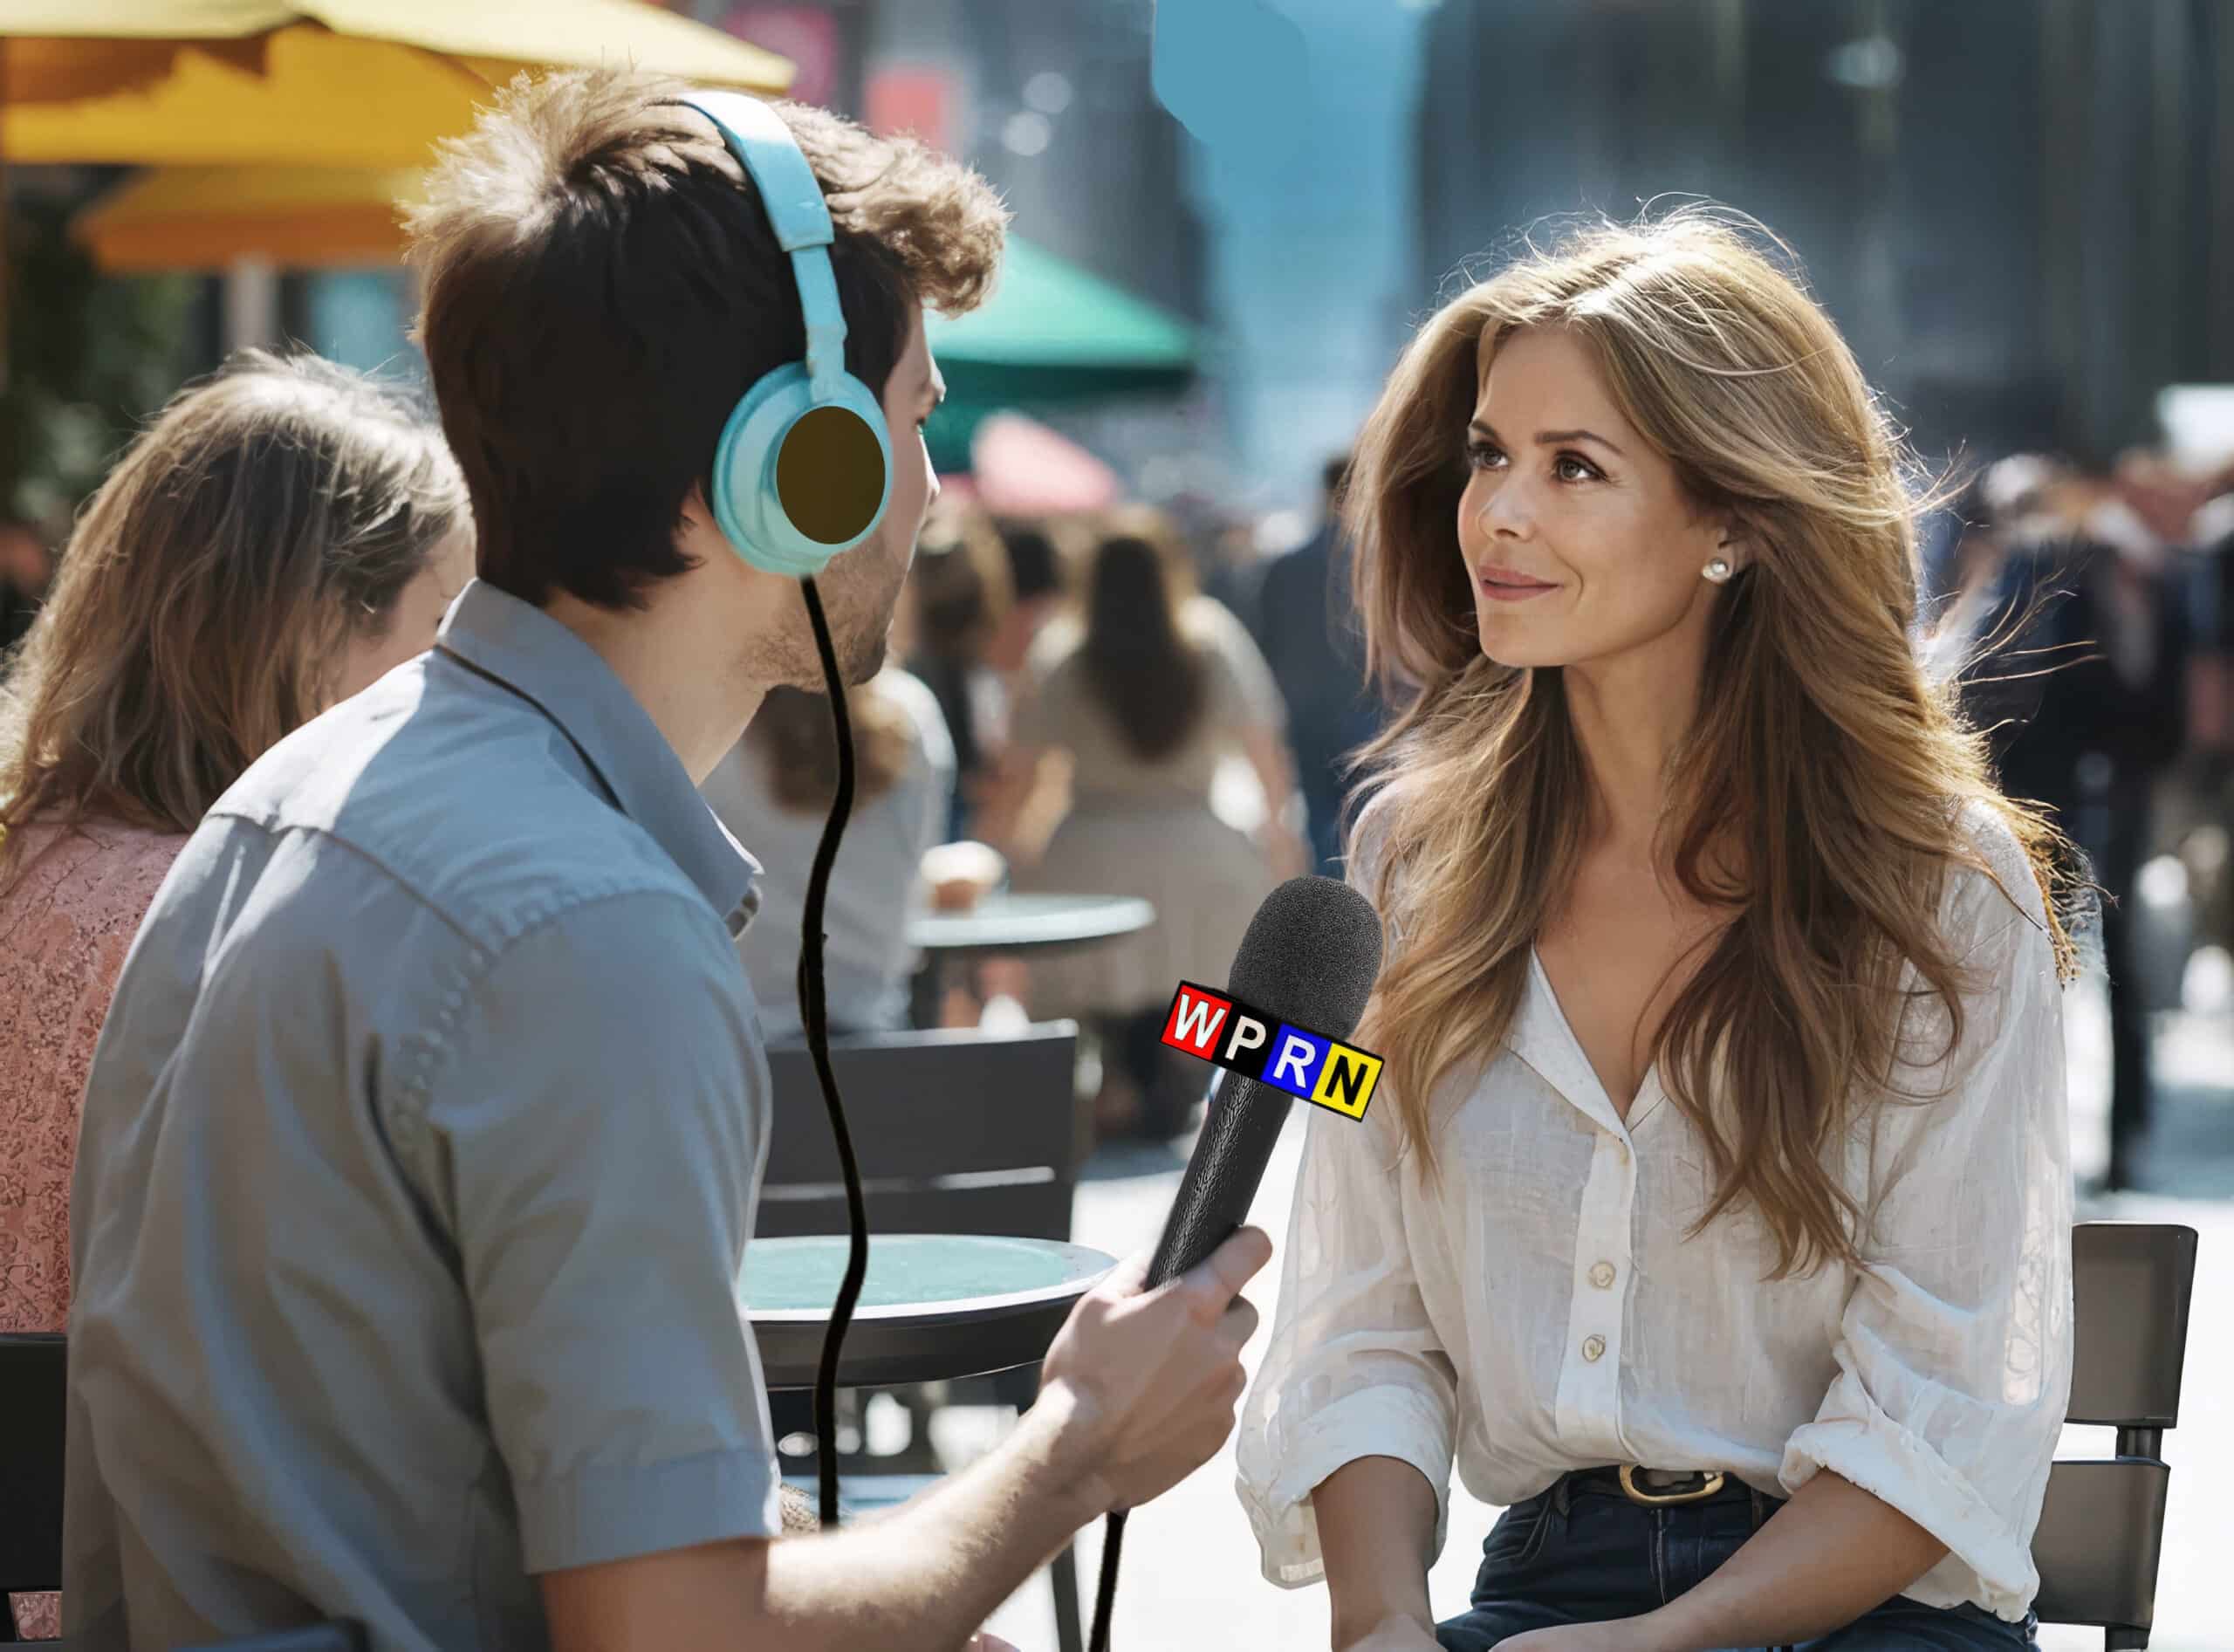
(34, 1369)
(34, 1399)
(2101, 1530)
(953, 1132)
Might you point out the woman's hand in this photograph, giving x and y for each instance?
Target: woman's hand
(1395, 1635)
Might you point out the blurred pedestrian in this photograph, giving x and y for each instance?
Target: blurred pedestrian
(959, 595)
(1038, 590)
(279, 538)
(1146, 695)
(773, 792)
(2084, 691)
(24, 571)
(1307, 627)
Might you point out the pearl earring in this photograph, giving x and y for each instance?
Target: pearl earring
(1718, 571)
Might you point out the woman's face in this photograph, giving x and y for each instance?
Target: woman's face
(1580, 542)
(413, 620)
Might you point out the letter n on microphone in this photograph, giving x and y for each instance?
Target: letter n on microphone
(1227, 1033)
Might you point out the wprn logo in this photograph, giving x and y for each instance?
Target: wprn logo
(1227, 1033)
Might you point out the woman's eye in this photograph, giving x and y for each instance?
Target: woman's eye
(1570, 466)
(1481, 456)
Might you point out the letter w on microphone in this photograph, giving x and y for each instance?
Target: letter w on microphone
(1227, 1033)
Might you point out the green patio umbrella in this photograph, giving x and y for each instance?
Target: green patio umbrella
(1052, 334)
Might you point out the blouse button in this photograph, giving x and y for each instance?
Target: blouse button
(1602, 1275)
(1592, 1348)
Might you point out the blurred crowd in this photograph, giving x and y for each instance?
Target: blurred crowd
(1161, 704)
(2088, 613)
(1105, 703)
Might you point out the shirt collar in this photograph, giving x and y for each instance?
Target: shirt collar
(1542, 1036)
(525, 650)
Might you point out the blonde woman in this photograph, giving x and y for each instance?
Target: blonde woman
(1714, 1214)
(281, 536)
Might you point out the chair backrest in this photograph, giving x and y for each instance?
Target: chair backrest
(2102, 1525)
(953, 1132)
(34, 1390)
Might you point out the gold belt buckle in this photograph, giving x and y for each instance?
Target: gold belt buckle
(1636, 1493)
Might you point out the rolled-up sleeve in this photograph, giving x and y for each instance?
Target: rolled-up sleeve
(600, 1136)
(1354, 1367)
(1954, 1348)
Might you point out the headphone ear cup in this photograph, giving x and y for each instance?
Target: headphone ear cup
(795, 480)
(831, 474)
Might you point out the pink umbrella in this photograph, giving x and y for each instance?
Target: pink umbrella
(1019, 467)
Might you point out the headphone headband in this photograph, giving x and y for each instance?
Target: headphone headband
(763, 146)
(802, 468)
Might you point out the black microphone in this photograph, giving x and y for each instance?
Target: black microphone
(1310, 956)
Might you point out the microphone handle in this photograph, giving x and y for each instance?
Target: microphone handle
(1241, 1128)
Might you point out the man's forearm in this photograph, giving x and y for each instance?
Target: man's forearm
(927, 1575)
(1830, 1555)
(1376, 1523)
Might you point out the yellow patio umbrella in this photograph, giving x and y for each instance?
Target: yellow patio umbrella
(212, 217)
(312, 83)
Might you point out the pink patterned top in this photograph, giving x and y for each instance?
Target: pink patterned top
(65, 923)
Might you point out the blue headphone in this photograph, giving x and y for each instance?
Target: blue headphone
(803, 467)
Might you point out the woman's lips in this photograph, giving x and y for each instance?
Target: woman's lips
(1504, 585)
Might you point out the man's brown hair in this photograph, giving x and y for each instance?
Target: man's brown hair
(602, 285)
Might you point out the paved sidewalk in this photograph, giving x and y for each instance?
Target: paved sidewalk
(1190, 1575)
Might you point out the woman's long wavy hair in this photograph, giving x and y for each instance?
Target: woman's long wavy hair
(267, 515)
(1825, 766)
(1145, 668)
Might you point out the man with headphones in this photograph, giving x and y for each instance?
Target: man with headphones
(421, 1148)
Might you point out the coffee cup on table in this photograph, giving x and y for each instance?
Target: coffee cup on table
(961, 875)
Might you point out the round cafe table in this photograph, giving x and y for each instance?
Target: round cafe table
(934, 1307)
(1003, 923)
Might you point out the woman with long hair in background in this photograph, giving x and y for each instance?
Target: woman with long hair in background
(283, 534)
(1714, 1212)
(1146, 696)
(773, 792)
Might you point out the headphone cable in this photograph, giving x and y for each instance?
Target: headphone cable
(814, 1014)
(1105, 1598)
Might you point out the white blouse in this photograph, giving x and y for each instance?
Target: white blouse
(1544, 1312)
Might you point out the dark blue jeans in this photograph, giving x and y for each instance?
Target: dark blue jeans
(1577, 1556)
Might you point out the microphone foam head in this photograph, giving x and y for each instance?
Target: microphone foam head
(1310, 956)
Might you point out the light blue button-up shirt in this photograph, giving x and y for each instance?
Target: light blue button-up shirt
(419, 1157)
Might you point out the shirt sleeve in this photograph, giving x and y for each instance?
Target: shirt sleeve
(600, 1136)
(1954, 1351)
(1355, 1367)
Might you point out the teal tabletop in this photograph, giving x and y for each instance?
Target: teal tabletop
(933, 1307)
